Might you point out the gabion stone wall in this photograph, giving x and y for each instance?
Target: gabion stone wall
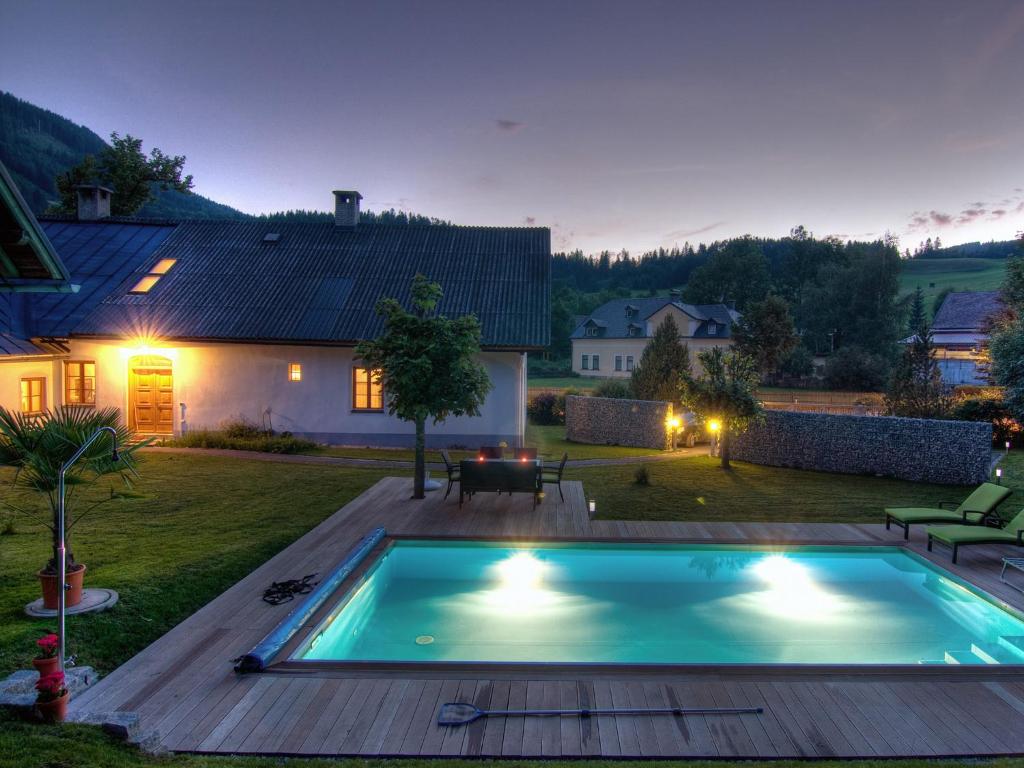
(612, 421)
(926, 450)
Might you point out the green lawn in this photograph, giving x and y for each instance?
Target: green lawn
(933, 275)
(550, 443)
(75, 746)
(205, 522)
(583, 383)
(697, 489)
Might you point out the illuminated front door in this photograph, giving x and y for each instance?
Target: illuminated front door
(151, 396)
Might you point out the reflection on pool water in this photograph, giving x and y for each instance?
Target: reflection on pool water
(663, 604)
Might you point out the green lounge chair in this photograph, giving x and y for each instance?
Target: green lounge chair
(956, 536)
(974, 510)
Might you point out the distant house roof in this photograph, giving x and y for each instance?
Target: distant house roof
(28, 262)
(967, 310)
(614, 320)
(318, 283)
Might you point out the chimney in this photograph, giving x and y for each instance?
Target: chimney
(93, 201)
(346, 208)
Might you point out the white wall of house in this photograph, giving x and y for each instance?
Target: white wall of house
(608, 350)
(12, 371)
(214, 382)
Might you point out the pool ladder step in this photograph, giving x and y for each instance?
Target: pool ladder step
(1014, 644)
(976, 655)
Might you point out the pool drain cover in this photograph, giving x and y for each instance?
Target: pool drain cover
(424, 639)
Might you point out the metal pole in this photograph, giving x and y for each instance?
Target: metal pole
(62, 575)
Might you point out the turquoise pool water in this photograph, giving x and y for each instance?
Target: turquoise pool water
(432, 601)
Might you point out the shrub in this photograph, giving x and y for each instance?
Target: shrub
(264, 441)
(855, 369)
(994, 410)
(546, 409)
(540, 369)
(240, 428)
(614, 388)
(642, 476)
(798, 362)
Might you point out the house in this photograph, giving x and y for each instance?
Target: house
(960, 334)
(185, 324)
(609, 342)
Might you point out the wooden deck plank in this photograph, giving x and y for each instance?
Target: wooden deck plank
(512, 738)
(494, 729)
(422, 719)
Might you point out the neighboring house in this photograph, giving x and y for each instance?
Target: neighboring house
(182, 325)
(959, 333)
(611, 340)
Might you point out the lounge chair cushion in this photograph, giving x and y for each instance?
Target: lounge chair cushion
(971, 534)
(929, 515)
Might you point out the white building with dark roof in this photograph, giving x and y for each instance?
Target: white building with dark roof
(960, 334)
(609, 342)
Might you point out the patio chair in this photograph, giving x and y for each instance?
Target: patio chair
(555, 477)
(530, 454)
(977, 509)
(491, 452)
(956, 536)
(452, 470)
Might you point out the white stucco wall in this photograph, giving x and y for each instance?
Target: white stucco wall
(608, 349)
(215, 382)
(13, 371)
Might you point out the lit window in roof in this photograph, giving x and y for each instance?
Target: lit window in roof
(161, 268)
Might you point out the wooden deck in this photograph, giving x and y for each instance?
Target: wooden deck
(185, 690)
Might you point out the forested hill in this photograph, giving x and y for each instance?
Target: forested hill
(36, 145)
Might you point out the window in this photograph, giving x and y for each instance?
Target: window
(595, 362)
(629, 362)
(367, 392)
(161, 268)
(80, 382)
(294, 371)
(712, 329)
(618, 362)
(585, 365)
(591, 330)
(33, 395)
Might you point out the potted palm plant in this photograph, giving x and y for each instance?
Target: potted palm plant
(37, 446)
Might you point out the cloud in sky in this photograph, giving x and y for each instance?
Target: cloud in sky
(679, 233)
(509, 126)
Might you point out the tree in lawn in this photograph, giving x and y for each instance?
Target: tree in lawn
(427, 364)
(1006, 345)
(726, 392)
(125, 168)
(766, 333)
(915, 387)
(665, 360)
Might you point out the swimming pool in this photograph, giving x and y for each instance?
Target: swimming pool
(445, 601)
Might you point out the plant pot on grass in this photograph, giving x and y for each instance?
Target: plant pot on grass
(52, 698)
(48, 661)
(37, 446)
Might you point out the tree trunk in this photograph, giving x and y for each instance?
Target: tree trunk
(421, 464)
(724, 448)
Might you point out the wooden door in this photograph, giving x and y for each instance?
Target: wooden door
(151, 400)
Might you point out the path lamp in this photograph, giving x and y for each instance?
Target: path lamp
(62, 585)
(999, 475)
(714, 427)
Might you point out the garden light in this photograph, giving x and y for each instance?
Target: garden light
(714, 425)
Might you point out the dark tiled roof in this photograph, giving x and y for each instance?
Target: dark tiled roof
(11, 345)
(611, 317)
(99, 255)
(319, 283)
(967, 309)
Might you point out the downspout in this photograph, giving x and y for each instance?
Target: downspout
(522, 400)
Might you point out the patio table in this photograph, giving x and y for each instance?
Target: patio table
(501, 475)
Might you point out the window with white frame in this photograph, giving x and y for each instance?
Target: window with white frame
(618, 362)
(585, 363)
(595, 362)
(629, 362)
(712, 329)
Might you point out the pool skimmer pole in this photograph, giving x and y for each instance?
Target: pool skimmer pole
(464, 714)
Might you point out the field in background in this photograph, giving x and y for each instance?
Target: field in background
(934, 275)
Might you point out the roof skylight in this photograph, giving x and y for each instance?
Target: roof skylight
(160, 269)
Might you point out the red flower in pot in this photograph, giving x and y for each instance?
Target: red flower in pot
(46, 662)
(52, 697)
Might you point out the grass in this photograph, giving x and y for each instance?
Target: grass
(77, 746)
(934, 275)
(203, 524)
(697, 489)
(583, 383)
(550, 443)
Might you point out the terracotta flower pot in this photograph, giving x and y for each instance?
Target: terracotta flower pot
(73, 595)
(46, 666)
(54, 711)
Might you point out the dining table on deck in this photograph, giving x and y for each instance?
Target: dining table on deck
(501, 476)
